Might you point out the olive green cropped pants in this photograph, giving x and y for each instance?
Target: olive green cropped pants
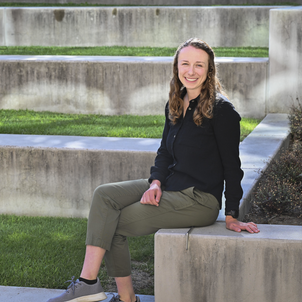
(116, 213)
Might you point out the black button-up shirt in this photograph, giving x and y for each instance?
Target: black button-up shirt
(203, 156)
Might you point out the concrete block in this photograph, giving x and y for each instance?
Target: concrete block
(61, 181)
(222, 26)
(96, 85)
(245, 82)
(117, 85)
(224, 266)
(285, 71)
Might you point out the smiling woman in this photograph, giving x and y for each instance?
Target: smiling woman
(199, 152)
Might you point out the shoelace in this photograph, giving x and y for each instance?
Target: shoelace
(72, 284)
(115, 298)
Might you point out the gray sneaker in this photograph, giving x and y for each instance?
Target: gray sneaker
(117, 299)
(79, 291)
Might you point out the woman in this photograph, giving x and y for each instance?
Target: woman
(199, 152)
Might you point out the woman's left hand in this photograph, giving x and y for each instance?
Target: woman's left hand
(234, 225)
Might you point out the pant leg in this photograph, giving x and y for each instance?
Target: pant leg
(181, 209)
(107, 202)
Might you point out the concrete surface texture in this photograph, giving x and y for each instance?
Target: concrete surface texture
(155, 2)
(285, 68)
(60, 182)
(225, 266)
(118, 85)
(28, 294)
(56, 175)
(134, 26)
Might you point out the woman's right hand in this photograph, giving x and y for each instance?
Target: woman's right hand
(153, 194)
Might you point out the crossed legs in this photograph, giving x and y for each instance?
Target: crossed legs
(117, 213)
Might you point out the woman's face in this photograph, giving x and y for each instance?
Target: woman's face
(193, 65)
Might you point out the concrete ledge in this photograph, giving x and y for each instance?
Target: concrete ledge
(265, 143)
(221, 265)
(56, 175)
(226, 26)
(30, 294)
(118, 85)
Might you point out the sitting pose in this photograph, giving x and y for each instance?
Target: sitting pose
(199, 152)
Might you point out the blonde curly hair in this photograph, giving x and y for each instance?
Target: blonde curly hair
(210, 87)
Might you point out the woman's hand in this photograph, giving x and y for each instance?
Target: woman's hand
(234, 225)
(153, 194)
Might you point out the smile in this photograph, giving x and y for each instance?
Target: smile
(191, 80)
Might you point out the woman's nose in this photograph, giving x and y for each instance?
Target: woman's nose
(191, 70)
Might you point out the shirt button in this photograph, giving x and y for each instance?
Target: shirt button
(189, 108)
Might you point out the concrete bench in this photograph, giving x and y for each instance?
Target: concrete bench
(56, 175)
(118, 85)
(135, 26)
(218, 265)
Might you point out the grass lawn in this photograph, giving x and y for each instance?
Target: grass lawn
(126, 51)
(50, 123)
(45, 252)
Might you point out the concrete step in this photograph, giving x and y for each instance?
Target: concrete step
(135, 25)
(29, 294)
(118, 85)
(35, 170)
(216, 264)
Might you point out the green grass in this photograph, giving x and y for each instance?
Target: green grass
(126, 51)
(50, 123)
(247, 125)
(46, 251)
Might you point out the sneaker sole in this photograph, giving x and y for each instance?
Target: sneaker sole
(90, 298)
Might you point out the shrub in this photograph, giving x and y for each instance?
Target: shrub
(295, 119)
(279, 191)
(280, 188)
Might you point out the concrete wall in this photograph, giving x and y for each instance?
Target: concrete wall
(285, 52)
(135, 26)
(116, 85)
(224, 266)
(157, 2)
(60, 182)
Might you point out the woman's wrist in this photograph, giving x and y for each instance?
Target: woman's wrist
(229, 218)
(155, 182)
